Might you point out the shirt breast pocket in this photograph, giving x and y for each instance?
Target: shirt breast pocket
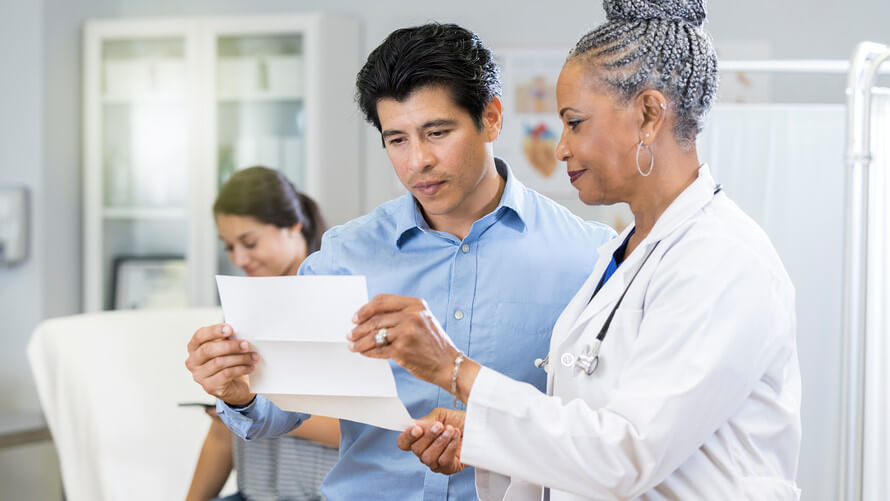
(521, 335)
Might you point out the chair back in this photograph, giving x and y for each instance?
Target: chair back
(109, 384)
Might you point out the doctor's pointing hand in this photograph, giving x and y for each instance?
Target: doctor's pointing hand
(405, 330)
(672, 373)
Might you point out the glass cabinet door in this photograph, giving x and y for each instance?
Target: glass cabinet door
(144, 165)
(173, 108)
(260, 109)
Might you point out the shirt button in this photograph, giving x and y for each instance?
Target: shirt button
(458, 314)
(465, 248)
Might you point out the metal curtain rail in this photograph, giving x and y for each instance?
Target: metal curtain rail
(863, 68)
(794, 66)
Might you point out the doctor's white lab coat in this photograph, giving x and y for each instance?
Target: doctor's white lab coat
(697, 394)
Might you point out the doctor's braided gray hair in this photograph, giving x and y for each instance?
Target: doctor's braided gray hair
(658, 44)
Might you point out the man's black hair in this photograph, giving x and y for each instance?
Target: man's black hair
(444, 55)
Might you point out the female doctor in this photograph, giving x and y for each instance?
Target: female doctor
(673, 372)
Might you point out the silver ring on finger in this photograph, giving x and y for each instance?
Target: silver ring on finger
(380, 337)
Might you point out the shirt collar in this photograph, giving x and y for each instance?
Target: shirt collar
(409, 218)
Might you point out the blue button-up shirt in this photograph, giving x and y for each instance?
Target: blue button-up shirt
(497, 293)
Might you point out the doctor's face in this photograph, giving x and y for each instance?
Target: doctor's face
(439, 154)
(599, 137)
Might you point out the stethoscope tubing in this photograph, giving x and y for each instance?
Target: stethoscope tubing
(588, 360)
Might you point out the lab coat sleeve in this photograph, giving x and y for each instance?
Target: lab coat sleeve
(491, 486)
(715, 318)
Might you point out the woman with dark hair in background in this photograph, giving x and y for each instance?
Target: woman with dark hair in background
(268, 228)
(673, 373)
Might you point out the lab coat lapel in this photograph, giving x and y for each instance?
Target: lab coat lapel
(579, 302)
(581, 308)
(612, 290)
(689, 202)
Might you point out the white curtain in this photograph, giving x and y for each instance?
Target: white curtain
(876, 438)
(784, 166)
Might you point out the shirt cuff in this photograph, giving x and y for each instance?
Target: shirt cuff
(237, 419)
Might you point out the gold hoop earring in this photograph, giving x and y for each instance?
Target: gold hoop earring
(651, 159)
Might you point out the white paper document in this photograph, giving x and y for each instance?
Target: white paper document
(298, 325)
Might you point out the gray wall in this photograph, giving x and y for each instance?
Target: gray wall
(792, 29)
(40, 140)
(22, 287)
(40, 143)
(21, 143)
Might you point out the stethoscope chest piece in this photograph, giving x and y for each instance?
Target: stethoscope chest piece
(587, 361)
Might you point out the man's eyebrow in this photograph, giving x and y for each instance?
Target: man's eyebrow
(441, 122)
(391, 132)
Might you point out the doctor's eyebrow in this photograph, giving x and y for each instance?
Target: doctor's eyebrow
(566, 109)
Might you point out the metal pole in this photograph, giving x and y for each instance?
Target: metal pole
(864, 66)
(821, 66)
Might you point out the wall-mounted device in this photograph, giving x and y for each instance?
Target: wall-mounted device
(13, 225)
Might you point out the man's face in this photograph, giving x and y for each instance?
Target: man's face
(439, 154)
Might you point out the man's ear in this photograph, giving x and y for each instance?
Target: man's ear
(492, 118)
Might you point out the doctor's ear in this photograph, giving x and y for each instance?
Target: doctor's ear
(653, 110)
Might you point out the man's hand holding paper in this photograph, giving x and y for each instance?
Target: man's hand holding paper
(220, 364)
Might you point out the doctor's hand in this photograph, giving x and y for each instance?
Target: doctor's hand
(220, 364)
(436, 440)
(413, 337)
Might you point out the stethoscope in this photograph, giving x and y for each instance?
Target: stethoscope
(589, 358)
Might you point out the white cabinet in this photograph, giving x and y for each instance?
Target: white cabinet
(173, 107)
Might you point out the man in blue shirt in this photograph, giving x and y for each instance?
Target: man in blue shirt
(495, 261)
